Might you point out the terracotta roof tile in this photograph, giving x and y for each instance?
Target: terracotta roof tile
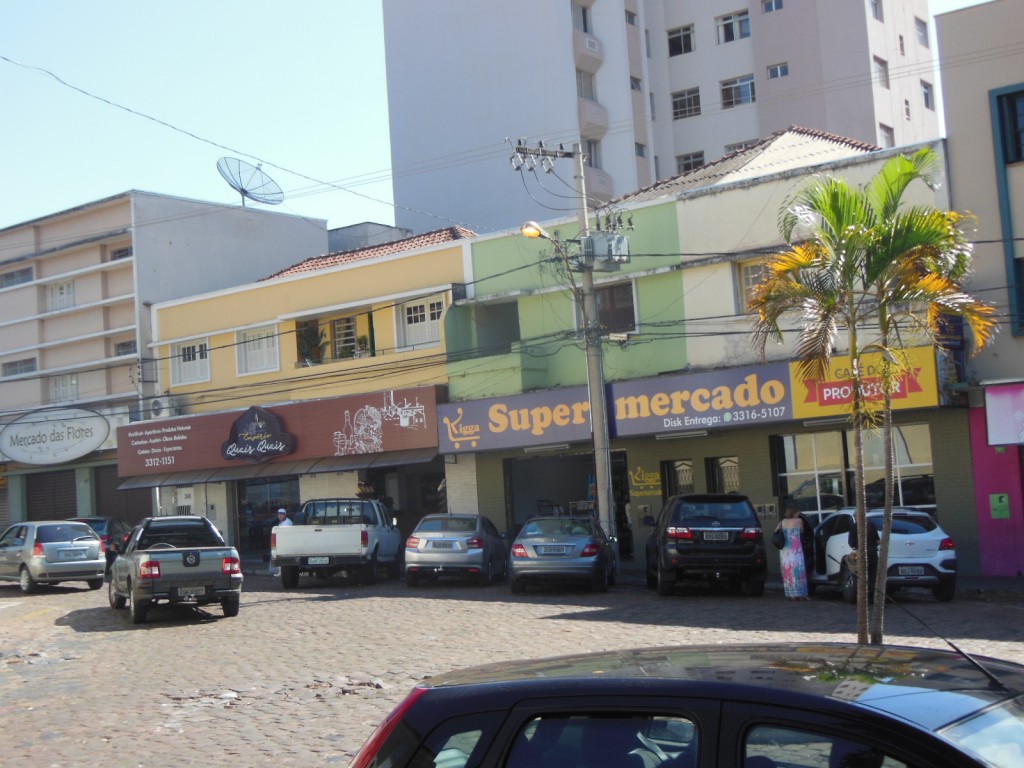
(317, 263)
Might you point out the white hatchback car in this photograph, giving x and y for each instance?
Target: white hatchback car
(921, 554)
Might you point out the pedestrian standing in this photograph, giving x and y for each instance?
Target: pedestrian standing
(283, 521)
(791, 556)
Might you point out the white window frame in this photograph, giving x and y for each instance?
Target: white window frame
(687, 40)
(581, 18)
(775, 71)
(739, 146)
(748, 276)
(881, 71)
(689, 161)
(18, 367)
(732, 27)
(420, 322)
(124, 348)
(921, 28)
(63, 388)
(877, 11)
(586, 87)
(767, 6)
(738, 91)
(928, 95)
(190, 362)
(257, 350)
(60, 295)
(686, 103)
(886, 136)
(16, 277)
(592, 153)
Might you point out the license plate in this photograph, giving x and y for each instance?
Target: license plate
(716, 535)
(442, 545)
(911, 570)
(318, 560)
(191, 591)
(71, 554)
(551, 549)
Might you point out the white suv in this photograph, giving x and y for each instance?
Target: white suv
(921, 554)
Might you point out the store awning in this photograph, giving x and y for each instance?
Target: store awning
(282, 468)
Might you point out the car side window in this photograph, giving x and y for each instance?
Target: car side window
(767, 746)
(605, 741)
(455, 743)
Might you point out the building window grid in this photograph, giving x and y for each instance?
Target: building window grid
(686, 104)
(63, 388)
(60, 295)
(635, 84)
(886, 136)
(422, 322)
(343, 333)
(751, 273)
(1011, 114)
(191, 363)
(581, 18)
(257, 350)
(737, 91)
(18, 367)
(585, 87)
(733, 26)
(921, 27)
(767, 6)
(123, 348)
(775, 71)
(881, 72)
(927, 95)
(681, 40)
(592, 153)
(615, 310)
(16, 277)
(690, 161)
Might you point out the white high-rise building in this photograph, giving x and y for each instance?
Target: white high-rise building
(649, 87)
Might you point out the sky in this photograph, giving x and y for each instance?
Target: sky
(106, 96)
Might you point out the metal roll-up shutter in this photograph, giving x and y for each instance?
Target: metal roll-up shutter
(131, 505)
(51, 495)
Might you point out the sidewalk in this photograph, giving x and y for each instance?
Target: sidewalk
(968, 587)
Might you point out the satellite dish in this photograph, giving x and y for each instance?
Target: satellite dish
(249, 181)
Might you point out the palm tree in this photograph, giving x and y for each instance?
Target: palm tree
(861, 257)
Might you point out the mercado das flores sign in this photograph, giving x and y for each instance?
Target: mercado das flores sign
(719, 399)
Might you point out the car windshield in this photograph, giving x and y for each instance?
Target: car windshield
(447, 524)
(97, 525)
(180, 534)
(557, 526)
(46, 534)
(727, 513)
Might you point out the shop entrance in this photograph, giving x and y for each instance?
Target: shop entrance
(563, 483)
(258, 502)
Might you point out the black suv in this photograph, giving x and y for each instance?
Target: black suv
(711, 536)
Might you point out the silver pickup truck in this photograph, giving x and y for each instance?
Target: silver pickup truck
(337, 536)
(178, 559)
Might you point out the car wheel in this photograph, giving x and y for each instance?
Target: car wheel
(945, 591)
(369, 573)
(600, 582)
(94, 583)
(116, 601)
(516, 586)
(290, 577)
(652, 577)
(139, 609)
(412, 579)
(486, 574)
(666, 582)
(848, 584)
(26, 582)
(230, 605)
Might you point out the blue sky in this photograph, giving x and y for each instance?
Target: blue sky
(298, 86)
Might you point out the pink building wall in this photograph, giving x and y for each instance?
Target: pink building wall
(997, 472)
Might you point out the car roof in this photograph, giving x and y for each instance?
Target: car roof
(928, 687)
(707, 497)
(879, 511)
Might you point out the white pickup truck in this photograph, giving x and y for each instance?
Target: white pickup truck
(337, 537)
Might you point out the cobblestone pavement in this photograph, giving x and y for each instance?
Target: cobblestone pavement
(301, 677)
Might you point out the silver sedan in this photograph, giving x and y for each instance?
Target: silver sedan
(51, 551)
(555, 549)
(455, 545)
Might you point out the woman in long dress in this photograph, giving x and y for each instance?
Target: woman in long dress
(794, 568)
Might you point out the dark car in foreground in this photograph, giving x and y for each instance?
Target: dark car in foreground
(743, 706)
(708, 537)
(455, 545)
(112, 532)
(50, 552)
(561, 549)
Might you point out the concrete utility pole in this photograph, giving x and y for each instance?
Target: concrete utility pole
(604, 501)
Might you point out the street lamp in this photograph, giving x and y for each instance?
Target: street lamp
(595, 375)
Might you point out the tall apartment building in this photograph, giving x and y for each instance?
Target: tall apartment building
(76, 362)
(650, 88)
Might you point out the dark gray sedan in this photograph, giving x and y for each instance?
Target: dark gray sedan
(562, 549)
(455, 545)
(51, 551)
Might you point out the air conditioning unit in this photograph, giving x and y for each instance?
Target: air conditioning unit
(165, 406)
